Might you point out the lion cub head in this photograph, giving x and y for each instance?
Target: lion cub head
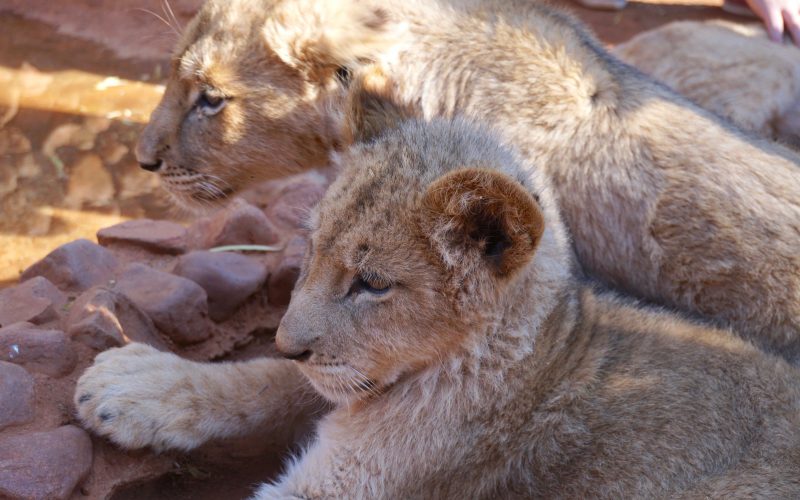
(246, 97)
(427, 236)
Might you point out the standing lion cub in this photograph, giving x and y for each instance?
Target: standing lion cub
(663, 199)
(436, 309)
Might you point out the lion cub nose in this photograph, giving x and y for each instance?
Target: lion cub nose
(296, 355)
(151, 167)
(295, 338)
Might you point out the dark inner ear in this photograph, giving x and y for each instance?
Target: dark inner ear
(491, 235)
(488, 215)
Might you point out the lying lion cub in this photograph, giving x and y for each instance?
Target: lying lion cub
(663, 199)
(731, 69)
(437, 310)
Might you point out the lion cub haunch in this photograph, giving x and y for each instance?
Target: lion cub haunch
(437, 310)
(731, 69)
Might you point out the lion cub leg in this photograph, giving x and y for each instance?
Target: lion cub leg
(330, 470)
(138, 396)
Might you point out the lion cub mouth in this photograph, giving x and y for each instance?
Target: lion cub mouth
(340, 381)
(193, 190)
(214, 196)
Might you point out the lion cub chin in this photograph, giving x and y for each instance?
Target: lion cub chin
(437, 308)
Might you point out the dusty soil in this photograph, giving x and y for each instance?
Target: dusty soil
(73, 98)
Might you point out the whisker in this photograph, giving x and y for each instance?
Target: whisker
(167, 8)
(155, 14)
(367, 383)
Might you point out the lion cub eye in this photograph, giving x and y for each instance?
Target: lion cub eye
(210, 103)
(369, 284)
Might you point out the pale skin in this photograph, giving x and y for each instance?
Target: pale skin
(779, 16)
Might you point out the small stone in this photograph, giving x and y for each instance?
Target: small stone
(76, 266)
(102, 318)
(36, 300)
(96, 124)
(44, 464)
(177, 306)
(114, 153)
(238, 224)
(13, 142)
(156, 236)
(134, 181)
(89, 183)
(282, 280)
(43, 351)
(68, 134)
(228, 279)
(16, 397)
(27, 167)
(294, 200)
(8, 179)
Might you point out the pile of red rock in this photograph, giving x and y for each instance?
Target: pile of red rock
(147, 281)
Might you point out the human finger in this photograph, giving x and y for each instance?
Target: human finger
(791, 19)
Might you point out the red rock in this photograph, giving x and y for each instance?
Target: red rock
(43, 351)
(228, 279)
(102, 318)
(155, 235)
(296, 198)
(16, 397)
(36, 300)
(76, 266)
(47, 465)
(177, 306)
(238, 224)
(282, 279)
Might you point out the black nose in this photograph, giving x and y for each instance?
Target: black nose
(151, 167)
(297, 356)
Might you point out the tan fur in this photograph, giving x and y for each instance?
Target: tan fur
(485, 371)
(664, 200)
(730, 69)
(137, 396)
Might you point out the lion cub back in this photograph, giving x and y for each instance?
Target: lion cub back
(730, 69)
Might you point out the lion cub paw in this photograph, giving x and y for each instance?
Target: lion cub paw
(137, 396)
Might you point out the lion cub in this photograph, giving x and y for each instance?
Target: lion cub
(437, 310)
(731, 69)
(663, 199)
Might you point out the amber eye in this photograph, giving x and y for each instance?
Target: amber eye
(210, 103)
(369, 284)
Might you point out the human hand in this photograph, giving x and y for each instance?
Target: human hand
(779, 16)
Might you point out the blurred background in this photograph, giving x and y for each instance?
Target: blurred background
(78, 79)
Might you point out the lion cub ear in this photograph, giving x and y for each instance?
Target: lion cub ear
(317, 37)
(485, 216)
(370, 109)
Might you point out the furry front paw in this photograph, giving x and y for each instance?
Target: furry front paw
(274, 492)
(137, 396)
